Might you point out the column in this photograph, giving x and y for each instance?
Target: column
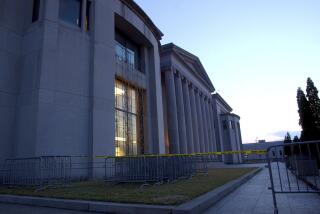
(200, 122)
(187, 111)
(213, 132)
(181, 116)
(172, 113)
(210, 143)
(195, 121)
(205, 124)
(210, 127)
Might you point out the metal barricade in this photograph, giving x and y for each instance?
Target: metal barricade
(294, 171)
(153, 168)
(1, 173)
(37, 171)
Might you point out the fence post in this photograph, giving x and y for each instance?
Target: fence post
(272, 185)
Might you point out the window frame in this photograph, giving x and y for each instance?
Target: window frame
(130, 134)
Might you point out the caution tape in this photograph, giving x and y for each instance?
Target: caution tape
(246, 152)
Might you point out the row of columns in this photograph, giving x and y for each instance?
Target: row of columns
(190, 116)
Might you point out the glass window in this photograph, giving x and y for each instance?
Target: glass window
(130, 58)
(35, 10)
(120, 52)
(127, 51)
(126, 117)
(88, 15)
(70, 11)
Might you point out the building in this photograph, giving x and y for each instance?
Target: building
(83, 77)
(228, 131)
(275, 152)
(188, 110)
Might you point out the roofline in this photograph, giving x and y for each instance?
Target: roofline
(218, 97)
(138, 10)
(172, 46)
(232, 114)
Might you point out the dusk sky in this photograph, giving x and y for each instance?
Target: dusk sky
(256, 53)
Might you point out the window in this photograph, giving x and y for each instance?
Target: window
(88, 15)
(127, 116)
(35, 10)
(127, 51)
(70, 11)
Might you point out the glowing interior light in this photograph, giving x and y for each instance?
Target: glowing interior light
(119, 152)
(120, 139)
(118, 91)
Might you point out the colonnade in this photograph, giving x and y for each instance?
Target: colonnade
(190, 116)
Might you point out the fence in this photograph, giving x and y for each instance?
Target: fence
(296, 171)
(55, 170)
(154, 168)
(37, 171)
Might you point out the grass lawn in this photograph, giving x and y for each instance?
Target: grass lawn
(166, 194)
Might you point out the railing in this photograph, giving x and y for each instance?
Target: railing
(297, 171)
(153, 168)
(37, 171)
(61, 170)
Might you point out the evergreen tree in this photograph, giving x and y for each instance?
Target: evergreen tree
(306, 120)
(296, 139)
(287, 138)
(314, 101)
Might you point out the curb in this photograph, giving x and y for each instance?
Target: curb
(196, 205)
(203, 202)
(87, 206)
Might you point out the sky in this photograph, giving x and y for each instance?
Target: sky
(256, 53)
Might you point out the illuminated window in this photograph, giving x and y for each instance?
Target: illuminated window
(127, 120)
(70, 11)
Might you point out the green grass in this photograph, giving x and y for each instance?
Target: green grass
(166, 194)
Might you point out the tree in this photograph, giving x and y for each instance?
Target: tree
(314, 101)
(296, 139)
(287, 138)
(306, 119)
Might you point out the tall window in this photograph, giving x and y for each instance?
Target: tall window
(127, 114)
(88, 15)
(35, 10)
(70, 11)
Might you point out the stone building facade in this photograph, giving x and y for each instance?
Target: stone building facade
(89, 77)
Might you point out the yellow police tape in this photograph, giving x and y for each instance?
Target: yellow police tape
(246, 152)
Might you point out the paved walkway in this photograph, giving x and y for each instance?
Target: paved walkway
(255, 197)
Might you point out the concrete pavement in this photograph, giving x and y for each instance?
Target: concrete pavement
(255, 197)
